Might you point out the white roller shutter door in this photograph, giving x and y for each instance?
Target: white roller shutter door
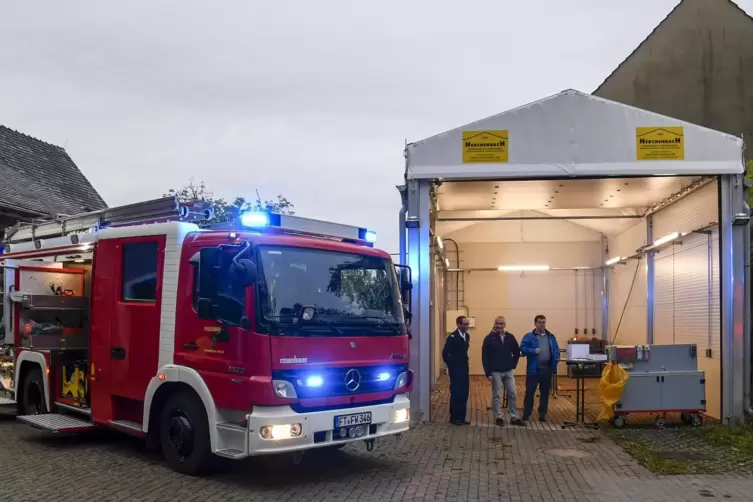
(686, 299)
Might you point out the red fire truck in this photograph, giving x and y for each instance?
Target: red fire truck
(276, 334)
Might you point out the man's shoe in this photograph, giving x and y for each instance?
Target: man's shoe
(518, 422)
(500, 422)
(457, 422)
(465, 422)
(542, 418)
(526, 418)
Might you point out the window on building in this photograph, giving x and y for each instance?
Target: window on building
(140, 272)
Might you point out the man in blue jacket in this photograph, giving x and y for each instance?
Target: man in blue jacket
(543, 353)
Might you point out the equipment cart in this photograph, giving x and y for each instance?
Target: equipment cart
(663, 379)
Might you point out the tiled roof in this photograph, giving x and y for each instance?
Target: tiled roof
(41, 179)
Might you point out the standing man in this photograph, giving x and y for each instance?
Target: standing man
(455, 355)
(543, 353)
(500, 354)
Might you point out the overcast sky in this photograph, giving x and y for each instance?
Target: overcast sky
(310, 99)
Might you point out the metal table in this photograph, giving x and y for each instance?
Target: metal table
(580, 391)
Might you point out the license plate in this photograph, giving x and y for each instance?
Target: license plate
(350, 420)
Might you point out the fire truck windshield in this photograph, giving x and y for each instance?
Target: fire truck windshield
(347, 291)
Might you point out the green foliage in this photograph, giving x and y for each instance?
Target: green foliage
(367, 288)
(227, 211)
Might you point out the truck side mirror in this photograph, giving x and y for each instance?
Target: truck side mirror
(406, 286)
(243, 272)
(209, 267)
(205, 308)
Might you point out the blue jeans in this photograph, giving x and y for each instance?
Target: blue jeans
(543, 380)
(506, 380)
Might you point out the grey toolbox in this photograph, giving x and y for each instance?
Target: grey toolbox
(662, 379)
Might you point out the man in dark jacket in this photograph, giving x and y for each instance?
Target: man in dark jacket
(455, 356)
(500, 354)
(543, 353)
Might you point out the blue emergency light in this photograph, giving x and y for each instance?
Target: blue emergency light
(255, 219)
(259, 220)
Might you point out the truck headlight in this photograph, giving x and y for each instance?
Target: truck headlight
(401, 416)
(284, 389)
(282, 431)
(401, 380)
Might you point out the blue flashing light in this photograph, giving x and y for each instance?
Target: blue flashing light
(314, 381)
(254, 219)
(383, 376)
(371, 236)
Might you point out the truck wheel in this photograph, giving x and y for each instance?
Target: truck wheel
(32, 393)
(184, 434)
(696, 419)
(619, 421)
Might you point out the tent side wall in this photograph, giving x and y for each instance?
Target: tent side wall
(686, 297)
(519, 297)
(628, 288)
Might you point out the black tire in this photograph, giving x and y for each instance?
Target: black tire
(685, 418)
(619, 421)
(184, 434)
(32, 393)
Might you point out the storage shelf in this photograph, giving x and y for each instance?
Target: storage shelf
(56, 342)
(53, 302)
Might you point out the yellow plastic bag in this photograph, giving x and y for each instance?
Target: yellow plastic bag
(611, 386)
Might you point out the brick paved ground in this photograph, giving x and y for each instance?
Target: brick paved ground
(434, 461)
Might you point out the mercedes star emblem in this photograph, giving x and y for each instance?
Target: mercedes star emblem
(352, 380)
(352, 345)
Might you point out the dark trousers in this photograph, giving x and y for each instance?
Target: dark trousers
(543, 380)
(460, 384)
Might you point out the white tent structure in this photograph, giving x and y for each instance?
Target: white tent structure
(617, 176)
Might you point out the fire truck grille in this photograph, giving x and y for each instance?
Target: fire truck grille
(313, 383)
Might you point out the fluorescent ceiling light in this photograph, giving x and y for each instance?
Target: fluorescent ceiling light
(522, 268)
(447, 262)
(440, 243)
(614, 260)
(666, 238)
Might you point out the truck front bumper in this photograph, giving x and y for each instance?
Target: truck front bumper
(317, 429)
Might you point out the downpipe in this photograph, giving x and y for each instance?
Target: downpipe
(403, 255)
(747, 321)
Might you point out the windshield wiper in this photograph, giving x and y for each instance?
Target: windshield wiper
(384, 322)
(328, 324)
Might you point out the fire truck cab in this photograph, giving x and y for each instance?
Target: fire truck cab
(274, 334)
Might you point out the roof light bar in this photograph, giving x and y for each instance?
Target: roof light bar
(260, 220)
(255, 219)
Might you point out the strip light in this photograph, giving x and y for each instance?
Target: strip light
(440, 243)
(666, 239)
(614, 260)
(522, 268)
(447, 262)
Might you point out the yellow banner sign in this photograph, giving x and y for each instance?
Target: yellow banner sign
(660, 143)
(484, 146)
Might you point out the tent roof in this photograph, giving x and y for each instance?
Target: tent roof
(573, 134)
